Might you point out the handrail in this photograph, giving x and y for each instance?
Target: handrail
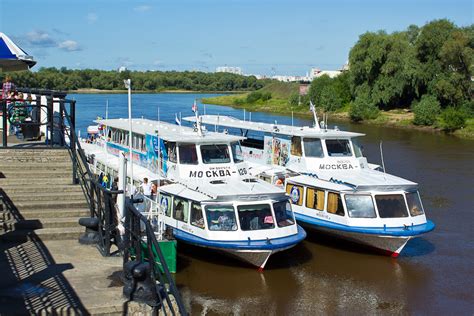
(133, 223)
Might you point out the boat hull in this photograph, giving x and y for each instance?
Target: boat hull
(254, 252)
(389, 241)
(388, 245)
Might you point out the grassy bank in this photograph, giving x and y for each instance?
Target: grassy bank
(100, 91)
(281, 92)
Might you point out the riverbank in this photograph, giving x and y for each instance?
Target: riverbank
(99, 91)
(400, 118)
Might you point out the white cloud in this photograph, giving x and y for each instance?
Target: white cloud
(91, 17)
(142, 8)
(69, 45)
(157, 62)
(40, 38)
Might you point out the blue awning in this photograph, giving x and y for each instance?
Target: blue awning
(12, 57)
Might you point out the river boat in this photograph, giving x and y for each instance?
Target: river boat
(332, 186)
(205, 192)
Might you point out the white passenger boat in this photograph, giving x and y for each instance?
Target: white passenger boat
(332, 187)
(208, 198)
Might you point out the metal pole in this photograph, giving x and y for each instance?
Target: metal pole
(128, 84)
(72, 133)
(51, 119)
(5, 118)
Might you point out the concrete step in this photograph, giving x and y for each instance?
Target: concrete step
(58, 205)
(36, 173)
(42, 223)
(52, 213)
(18, 152)
(14, 189)
(44, 234)
(29, 165)
(31, 181)
(50, 196)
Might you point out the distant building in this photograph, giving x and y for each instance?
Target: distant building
(316, 73)
(290, 78)
(304, 87)
(122, 69)
(232, 70)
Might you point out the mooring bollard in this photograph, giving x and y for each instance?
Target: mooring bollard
(139, 286)
(91, 236)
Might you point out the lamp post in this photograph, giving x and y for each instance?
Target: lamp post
(128, 85)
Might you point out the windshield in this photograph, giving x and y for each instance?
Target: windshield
(221, 217)
(357, 148)
(338, 148)
(236, 152)
(390, 206)
(414, 204)
(187, 154)
(313, 148)
(255, 217)
(215, 154)
(360, 206)
(283, 214)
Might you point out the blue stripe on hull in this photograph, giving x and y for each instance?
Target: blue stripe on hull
(272, 244)
(408, 231)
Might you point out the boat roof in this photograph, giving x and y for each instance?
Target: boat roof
(230, 189)
(304, 131)
(170, 132)
(366, 180)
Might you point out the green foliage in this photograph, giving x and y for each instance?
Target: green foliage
(452, 119)
(266, 96)
(253, 97)
(294, 99)
(363, 108)
(330, 94)
(68, 79)
(398, 68)
(426, 110)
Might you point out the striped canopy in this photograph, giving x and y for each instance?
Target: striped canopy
(12, 57)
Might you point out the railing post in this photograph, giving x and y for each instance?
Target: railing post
(72, 133)
(4, 123)
(50, 106)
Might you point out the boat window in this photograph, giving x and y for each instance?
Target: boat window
(221, 217)
(414, 204)
(391, 206)
(315, 199)
(171, 151)
(255, 217)
(196, 215)
(215, 153)
(295, 192)
(237, 152)
(283, 214)
(313, 148)
(338, 148)
(357, 148)
(187, 154)
(165, 204)
(360, 206)
(296, 146)
(335, 204)
(181, 209)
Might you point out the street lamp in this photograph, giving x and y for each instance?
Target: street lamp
(128, 85)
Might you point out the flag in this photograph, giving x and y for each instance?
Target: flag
(195, 107)
(176, 119)
(311, 106)
(127, 83)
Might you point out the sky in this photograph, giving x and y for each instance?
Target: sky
(282, 37)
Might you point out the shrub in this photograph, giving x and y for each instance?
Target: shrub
(239, 101)
(329, 100)
(266, 96)
(363, 109)
(294, 99)
(452, 119)
(426, 110)
(253, 97)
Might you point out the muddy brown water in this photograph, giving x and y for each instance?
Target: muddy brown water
(433, 275)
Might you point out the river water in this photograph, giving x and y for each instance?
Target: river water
(434, 274)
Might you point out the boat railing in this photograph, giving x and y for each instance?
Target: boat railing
(144, 261)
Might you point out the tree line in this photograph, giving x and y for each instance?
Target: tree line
(69, 79)
(427, 69)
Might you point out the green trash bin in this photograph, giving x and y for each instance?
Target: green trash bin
(169, 251)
